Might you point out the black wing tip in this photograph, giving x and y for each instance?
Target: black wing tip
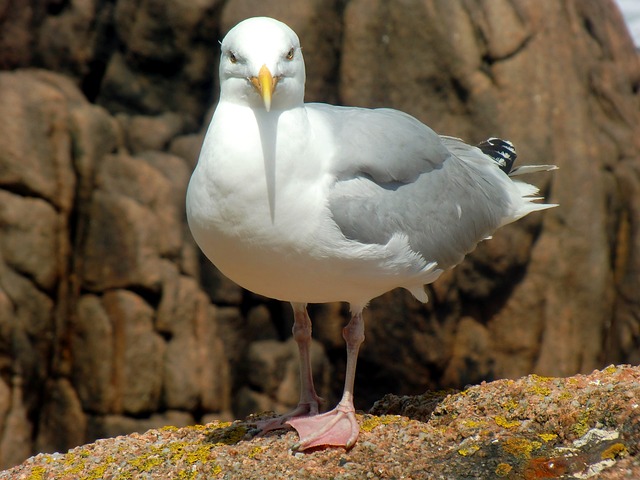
(503, 152)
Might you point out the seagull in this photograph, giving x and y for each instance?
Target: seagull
(314, 203)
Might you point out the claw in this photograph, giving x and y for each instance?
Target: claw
(303, 410)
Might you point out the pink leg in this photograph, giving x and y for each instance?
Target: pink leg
(339, 426)
(309, 399)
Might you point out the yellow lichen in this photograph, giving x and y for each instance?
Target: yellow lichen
(615, 451)
(217, 424)
(199, 454)
(540, 378)
(581, 427)
(37, 473)
(97, 473)
(73, 464)
(169, 428)
(186, 475)
(173, 452)
(372, 422)
(255, 451)
(503, 469)
(190, 474)
(548, 437)
(538, 388)
(210, 427)
(216, 469)
(146, 463)
(566, 395)
(504, 423)
(510, 405)
(470, 450)
(227, 435)
(520, 447)
(611, 369)
(473, 423)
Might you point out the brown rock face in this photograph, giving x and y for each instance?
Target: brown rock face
(103, 325)
(111, 321)
(545, 295)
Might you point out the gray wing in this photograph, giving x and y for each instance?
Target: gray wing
(394, 175)
(367, 137)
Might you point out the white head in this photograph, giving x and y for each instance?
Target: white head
(261, 65)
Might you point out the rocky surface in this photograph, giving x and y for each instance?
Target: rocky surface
(110, 320)
(535, 427)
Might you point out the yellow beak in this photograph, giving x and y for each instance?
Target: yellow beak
(265, 83)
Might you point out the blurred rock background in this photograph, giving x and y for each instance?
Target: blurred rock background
(111, 321)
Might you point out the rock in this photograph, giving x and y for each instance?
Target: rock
(62, 421)
(15, 443)
(231, 326)
(534, 427)
(162, 45)
(273, 372)
(470, 353)
(196, 376)
(92, 350)
(5, 405)
(260, 324)
(288, 392)
(145, 133)
(68, 39)
(266, 362)
(29, 240)
(138, 353)
(16, 37)
(132, 204)
(248, 401)
(27, 332)
(188, 148)
(115, 425)
(122, 245)
(35, 158)
(92, 245)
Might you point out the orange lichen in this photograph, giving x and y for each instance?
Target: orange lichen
(615, 451)
(520, 447)
(503, 469)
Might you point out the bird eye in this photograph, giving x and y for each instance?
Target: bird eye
(232, 58)
(290, 54)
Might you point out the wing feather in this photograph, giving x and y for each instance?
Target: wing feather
(400, 177)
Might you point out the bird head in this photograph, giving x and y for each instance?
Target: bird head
(261, 65)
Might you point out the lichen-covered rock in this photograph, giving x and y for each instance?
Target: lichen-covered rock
(587, 426)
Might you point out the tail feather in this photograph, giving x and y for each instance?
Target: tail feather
(525, 169)
(504, 154)
(501, 151)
